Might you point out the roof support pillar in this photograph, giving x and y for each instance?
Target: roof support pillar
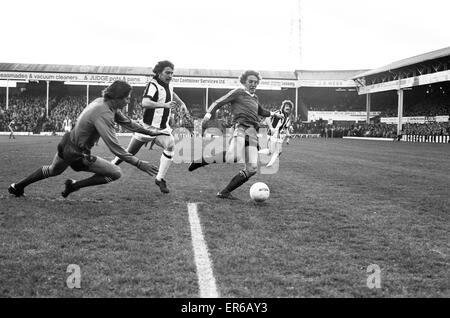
(7, 93)
(46, 103)
(87, 94)
(368, 102)
(400, 111)
(206, 98)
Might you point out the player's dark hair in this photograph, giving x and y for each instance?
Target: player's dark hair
(286, 102)
(117, 90)
(161, 65)
(246, 74)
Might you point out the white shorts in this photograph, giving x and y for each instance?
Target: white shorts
(147, 138)
(274, 144)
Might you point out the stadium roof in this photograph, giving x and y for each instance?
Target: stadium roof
(328, 75)
(407, 62)
(131, 70)
(233, 73)
(57, 68)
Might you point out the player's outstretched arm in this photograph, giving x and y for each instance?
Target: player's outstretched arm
(278, 115)
(147, 167)
(105, 128)
(265, 113)
(148, 103)
(183, 107)
(132, 125)
(205, 119)
(225, 99)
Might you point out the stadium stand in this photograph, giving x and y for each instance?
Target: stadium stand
(27, 111)
(70, 86)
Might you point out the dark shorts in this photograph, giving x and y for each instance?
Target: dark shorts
(78, 159)
(249, 133)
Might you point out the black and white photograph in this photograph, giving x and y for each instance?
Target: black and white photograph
(225, 154)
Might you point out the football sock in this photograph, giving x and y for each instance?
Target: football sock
(116, 161)
(96, 179)
(236, 182)
(39, 174)
(164, 164)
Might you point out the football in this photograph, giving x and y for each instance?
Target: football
(259, 192)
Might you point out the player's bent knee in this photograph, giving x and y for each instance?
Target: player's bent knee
(251, 171)
(116, 174)
(170, 146)
(55, 171)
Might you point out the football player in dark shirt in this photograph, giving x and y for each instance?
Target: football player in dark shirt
(74, 150)
(245, 109)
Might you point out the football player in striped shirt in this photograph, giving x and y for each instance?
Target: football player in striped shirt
(279, 131)
(245, 108)
(74, 150)
(10, 127)
(158, 101)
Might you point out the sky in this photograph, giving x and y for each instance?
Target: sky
(226, 34)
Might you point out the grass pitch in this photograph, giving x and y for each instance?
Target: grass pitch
(336, 207)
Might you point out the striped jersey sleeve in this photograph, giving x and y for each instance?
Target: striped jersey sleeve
(151, 91)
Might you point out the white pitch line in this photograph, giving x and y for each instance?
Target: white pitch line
(206, 280)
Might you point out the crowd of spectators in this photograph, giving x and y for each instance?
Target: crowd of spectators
(28, 113)
(429, 109)
(389, 112)
(67, 108)
(427, 129)
(311, 128)
(380, 130)
(324, 129)
(419, 110)
(333, 107)
(181, 119)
